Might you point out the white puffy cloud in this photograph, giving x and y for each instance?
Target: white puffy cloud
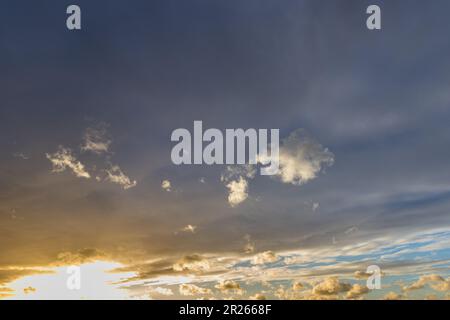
(187, 289)
(264, 257)
(236, 180)
(64, 159)
(166, 185)
(301, 158)
(115, 175)
(237, 191)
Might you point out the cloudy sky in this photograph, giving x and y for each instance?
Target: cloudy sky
(86, 177)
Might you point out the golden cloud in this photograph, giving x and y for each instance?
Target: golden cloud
(331, 286)
(191, 290)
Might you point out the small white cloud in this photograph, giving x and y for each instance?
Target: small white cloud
(115, 175)
(95, 140)
(237, 191)
(21, 156)
(63, 159)
(315, 206)
(236, 179)
(189, 228)
(166, 185)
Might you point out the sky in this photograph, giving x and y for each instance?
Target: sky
(86, 177)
